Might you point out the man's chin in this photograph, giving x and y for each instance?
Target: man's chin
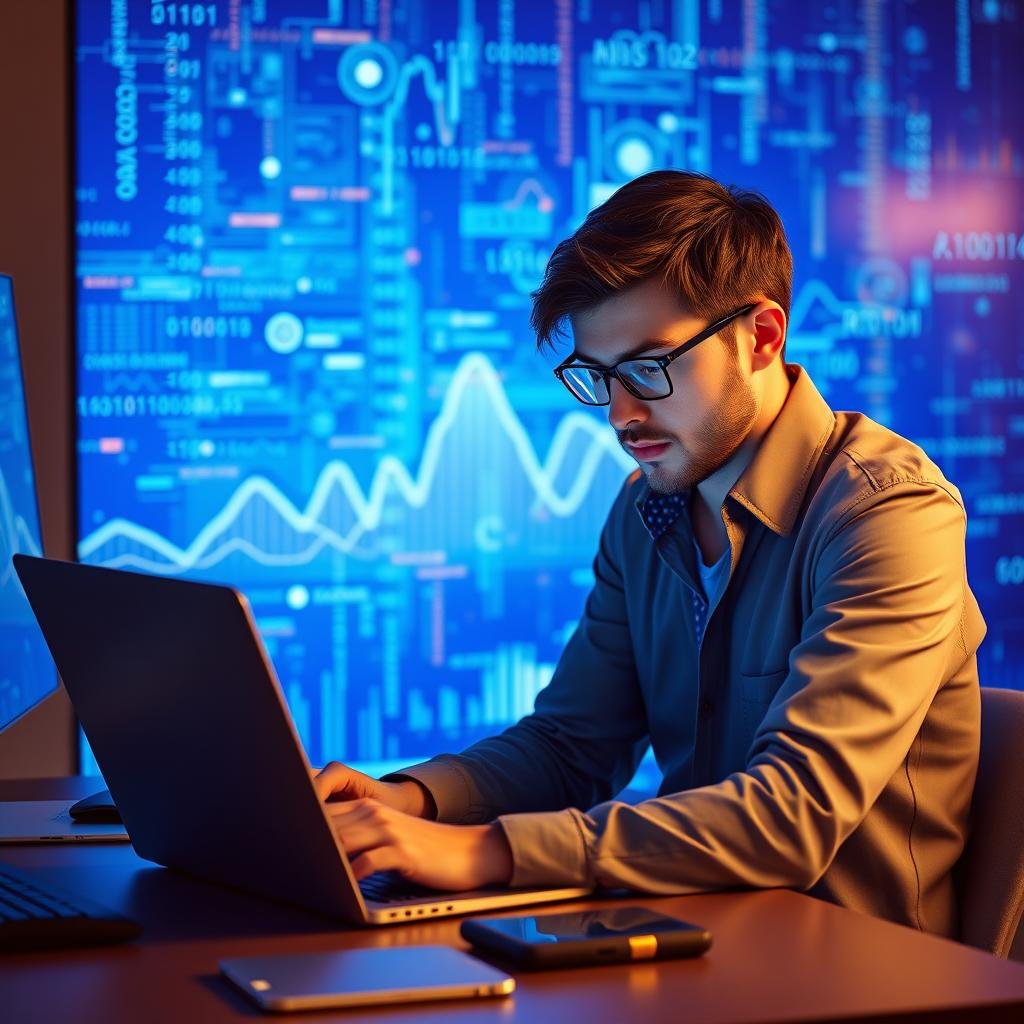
(663, 480)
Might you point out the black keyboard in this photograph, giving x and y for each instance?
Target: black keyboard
(391, 887)
(37, 915)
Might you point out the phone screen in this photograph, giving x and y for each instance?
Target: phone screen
(587, 924)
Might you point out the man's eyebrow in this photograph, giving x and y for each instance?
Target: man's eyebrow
(645, 347)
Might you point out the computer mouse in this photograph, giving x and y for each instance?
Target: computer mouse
(98, 809)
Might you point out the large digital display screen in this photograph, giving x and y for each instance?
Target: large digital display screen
(307, 233)
(27, 674)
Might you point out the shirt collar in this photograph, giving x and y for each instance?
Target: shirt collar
(660, 511)
(775, 480)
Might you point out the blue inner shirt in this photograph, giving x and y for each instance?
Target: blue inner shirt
(712, 578)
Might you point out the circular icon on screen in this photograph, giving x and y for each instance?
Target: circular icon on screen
(367, 73)
(283, 333)
(881, 281)
(633, 147)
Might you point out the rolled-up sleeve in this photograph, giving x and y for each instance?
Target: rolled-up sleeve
(884, 631)
(588, 729)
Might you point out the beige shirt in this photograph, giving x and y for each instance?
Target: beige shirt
(823, 735)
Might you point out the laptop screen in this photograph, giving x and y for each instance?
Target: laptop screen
(27, 673)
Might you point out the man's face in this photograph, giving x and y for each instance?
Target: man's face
(680, 440)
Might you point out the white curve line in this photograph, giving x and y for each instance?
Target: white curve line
(15, 532)
(434, 90)
(30, 544)
(328, 539)
(416, 492)
(801, 305)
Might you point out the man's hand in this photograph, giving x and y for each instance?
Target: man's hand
(377, 837)
(337, 781)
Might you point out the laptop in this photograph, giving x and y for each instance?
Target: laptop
(185, 715)
(27, 674)
(49, 821)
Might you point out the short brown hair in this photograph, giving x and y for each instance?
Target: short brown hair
(718, 247)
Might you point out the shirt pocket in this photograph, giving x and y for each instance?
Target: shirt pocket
(756, 693)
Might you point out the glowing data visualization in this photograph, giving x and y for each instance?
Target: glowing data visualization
(27, 674)
(306, 237)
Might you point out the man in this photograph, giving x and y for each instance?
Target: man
(780, 609)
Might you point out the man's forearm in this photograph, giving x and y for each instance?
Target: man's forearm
(535, 765)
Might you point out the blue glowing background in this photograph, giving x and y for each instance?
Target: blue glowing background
(307, 233)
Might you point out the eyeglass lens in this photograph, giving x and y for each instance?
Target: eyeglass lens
(644, 377)
(587, 385)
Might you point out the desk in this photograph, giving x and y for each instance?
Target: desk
(777, 956)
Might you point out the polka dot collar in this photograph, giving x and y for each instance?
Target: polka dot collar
(660, 511)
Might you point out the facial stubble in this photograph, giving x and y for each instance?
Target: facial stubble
(717, 437)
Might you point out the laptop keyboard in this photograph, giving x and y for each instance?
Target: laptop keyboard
(37, 915)
(391, 887)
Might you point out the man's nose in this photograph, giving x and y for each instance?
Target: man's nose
(623, 408)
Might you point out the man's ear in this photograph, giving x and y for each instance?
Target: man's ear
(769, 334)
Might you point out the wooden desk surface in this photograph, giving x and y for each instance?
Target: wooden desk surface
(777, 956)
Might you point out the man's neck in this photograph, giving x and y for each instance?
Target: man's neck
(709, 495)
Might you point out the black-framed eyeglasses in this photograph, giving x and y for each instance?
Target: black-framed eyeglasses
(645, 378)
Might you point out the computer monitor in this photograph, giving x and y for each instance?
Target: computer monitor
(27, 672)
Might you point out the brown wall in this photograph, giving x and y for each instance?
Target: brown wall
(35, 249)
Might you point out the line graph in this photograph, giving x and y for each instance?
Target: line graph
(121, 542)
(17, 498)
(27, 673)
(444, 97)
(816, 293)
(15, 534)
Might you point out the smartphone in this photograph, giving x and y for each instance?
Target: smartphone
(363, 977)
(586, 937)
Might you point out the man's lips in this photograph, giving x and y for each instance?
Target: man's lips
(644, 450)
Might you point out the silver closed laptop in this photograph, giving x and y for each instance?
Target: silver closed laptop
(183, 710)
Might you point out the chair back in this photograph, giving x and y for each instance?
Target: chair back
(991, 870)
